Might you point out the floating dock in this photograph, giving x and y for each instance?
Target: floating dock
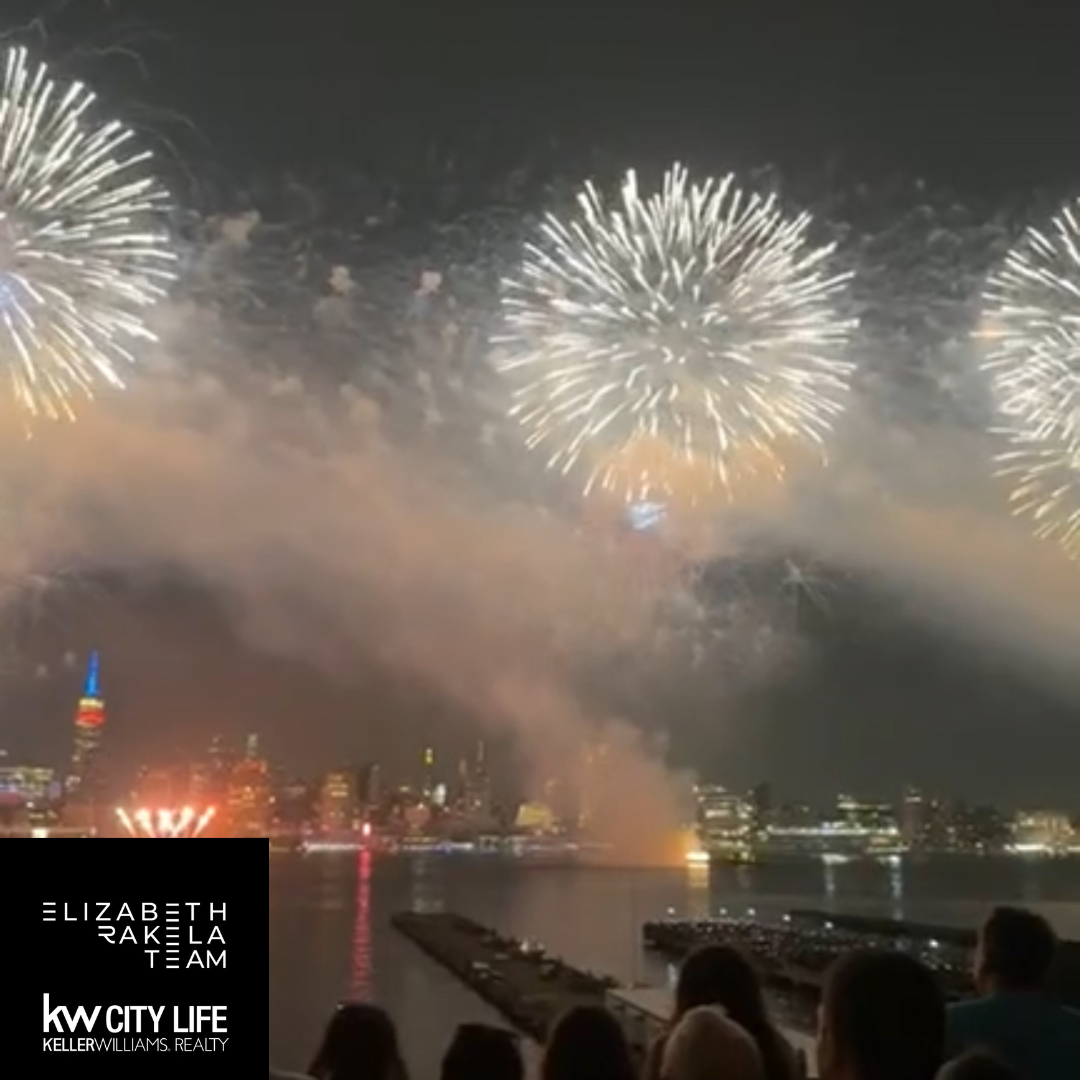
(1064, 979)
(530, 989)
(676, 940)
(526, 985)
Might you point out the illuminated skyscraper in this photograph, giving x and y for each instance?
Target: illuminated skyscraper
(913, 817)
(248, 798)
(478, 786)
(338, 806)
(220, 758)
(369, 788)
(725, 822)
(84, 776)
(428, 786)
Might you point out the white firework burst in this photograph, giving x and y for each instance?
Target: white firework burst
(83, 253)
(699, 318)
(1031, 328)
(167, 824)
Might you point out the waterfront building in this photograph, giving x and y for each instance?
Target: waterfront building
(535, 818)
(370, 789)
(29, 795)
(979, 830)
(913, 817)
(477, 788)
(427, 785)
(221, 759)
(338, 805)
(726, 822)
(761, 798)
(416, 817)
(855, 829)
(1043, 832)
(295, 803)
(248, 799)
(862, 814)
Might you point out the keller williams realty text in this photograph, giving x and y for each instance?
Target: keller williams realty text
(130, 1046)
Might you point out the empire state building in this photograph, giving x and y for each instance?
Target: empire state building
(84, 775)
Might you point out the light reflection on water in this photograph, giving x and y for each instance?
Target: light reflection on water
(330, 938)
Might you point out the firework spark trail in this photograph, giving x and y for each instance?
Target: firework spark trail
(698, 318)
(1031, 323)
(82, 252)
(168, 824)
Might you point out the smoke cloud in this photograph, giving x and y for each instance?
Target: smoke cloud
(328, 544)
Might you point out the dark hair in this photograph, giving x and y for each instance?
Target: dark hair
(482, 1052)
(587, 1043)
(1017, 948)
(360, 1043)
(721, 975)
(978, 1065)
(885, 1016)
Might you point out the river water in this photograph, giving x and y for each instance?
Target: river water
(330, 937)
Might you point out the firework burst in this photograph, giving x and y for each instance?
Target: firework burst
(691, 332)
(168, 824)
(1031, 327)
(82, 252)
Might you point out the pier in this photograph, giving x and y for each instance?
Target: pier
(530, 989)
(1064, 980)
(523, 983)
(792, 957)
(885, 929)
(675, 940)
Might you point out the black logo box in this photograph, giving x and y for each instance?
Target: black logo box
(198, 971)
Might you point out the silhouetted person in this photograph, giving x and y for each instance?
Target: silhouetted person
(707, 1045)
(360, 1043)
(721, 975)
(978, 1065)
(1014, 1016)
(882, 1017)
(481, 1052)
(587, 1043)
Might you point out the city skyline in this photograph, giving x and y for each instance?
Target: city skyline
(50, 730)
(236, 783)
(236, 788)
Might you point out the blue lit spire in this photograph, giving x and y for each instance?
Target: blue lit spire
(92, 686)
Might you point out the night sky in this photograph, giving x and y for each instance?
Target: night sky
(970, 115)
